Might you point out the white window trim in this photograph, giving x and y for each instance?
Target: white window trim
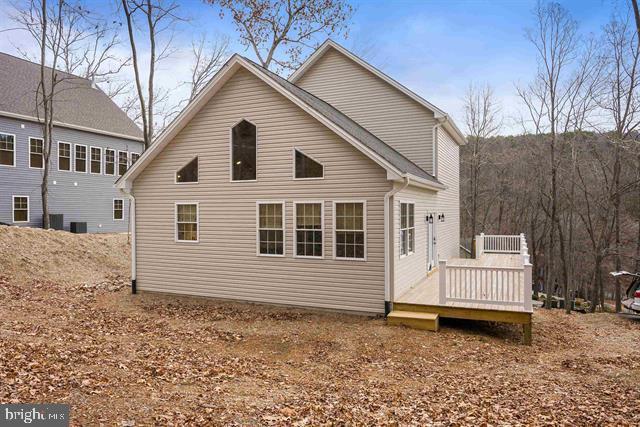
(33, 167)
(113, 210)
(15, 150)
(175, 221)
(284, 229)
(118, 162)
(115, 161)
(86, 159)
(364, 229)
(101, 160)
(131, 153)
(312, 158)
(175, 173)
(295, 229)
(231, 152)
(409, 253)
(71, 155)
(13, 210)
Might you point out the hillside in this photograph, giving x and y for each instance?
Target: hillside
(71, 332)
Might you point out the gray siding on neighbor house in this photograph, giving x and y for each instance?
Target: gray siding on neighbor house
(82, 197)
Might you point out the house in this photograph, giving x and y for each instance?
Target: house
(94, 142)
(337, 189)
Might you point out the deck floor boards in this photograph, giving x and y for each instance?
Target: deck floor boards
(426, 292)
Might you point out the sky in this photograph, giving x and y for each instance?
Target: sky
(434, 47)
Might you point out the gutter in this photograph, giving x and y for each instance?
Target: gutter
(132, 225)
(388, 246)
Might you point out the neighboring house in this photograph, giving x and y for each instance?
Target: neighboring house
(338, 189)
(94, 142)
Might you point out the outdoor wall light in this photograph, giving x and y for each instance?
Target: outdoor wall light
(430, 219)
(441, 217)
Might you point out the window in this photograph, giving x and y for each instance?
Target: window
(271, 229)
(64, 156)
(243, 152)
(187, 222)
(188, 173)
(308, 237)
(109, 162)
(36, 153)
(123, 158)
(7, 149)
(20, 209)
(134, 158)
(349, 225)
(306, 167)
(118, 209)
(96, 160)
(81, 158)
(407, 229)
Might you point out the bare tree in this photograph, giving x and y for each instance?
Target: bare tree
(156, 17)
(70, 39)
(207, 58)
(266, 25)
(621, 103)
(483, 121)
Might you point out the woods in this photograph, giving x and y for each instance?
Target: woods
(571, 178)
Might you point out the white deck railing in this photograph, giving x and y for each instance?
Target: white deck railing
(489, 284)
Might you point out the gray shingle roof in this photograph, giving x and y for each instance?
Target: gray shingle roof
(351, 127)
(76, 102)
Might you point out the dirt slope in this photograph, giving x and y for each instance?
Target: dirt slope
(71, 332)
(29, 254)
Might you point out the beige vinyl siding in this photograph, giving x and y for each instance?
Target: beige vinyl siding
(383, 110)
(449, 199)
(411, 269)
(224, 263)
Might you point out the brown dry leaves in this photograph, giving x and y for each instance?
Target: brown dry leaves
(120, 359)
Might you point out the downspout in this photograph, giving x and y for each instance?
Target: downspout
(388, 246)
(434, 148)
(132, 225)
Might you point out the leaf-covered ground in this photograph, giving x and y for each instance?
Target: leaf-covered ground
(78, 336)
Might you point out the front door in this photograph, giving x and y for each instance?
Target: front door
(431, 242)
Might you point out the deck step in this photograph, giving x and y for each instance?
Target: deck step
(414, 319)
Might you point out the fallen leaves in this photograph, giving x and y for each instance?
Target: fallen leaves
(147, 359)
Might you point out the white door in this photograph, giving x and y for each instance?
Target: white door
(431, 242)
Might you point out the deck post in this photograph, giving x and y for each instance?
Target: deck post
(528, 283)
(526, 333)
(479, 245)
(442, 276)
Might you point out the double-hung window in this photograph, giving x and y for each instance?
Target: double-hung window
(271, 228)
(20, 208)
(96, 160)
(123, 158)
(36, 153)
(109, 162)
(7, 149)
(309, 229)
(187, 221)
(64, 156)
(80, 158)
(118, 209)
(134, 158)
(350, 221)
(407, 229)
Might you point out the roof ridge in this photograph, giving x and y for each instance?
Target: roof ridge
(338, 110)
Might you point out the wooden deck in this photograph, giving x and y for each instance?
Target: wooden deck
(427, 292)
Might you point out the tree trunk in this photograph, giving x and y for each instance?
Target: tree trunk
(46, 137)
(616, 218)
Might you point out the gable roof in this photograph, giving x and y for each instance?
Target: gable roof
(396, 164)
(442, 117)
(77, 104)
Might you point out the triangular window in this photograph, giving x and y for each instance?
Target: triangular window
(189, 173)
(306, 167)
